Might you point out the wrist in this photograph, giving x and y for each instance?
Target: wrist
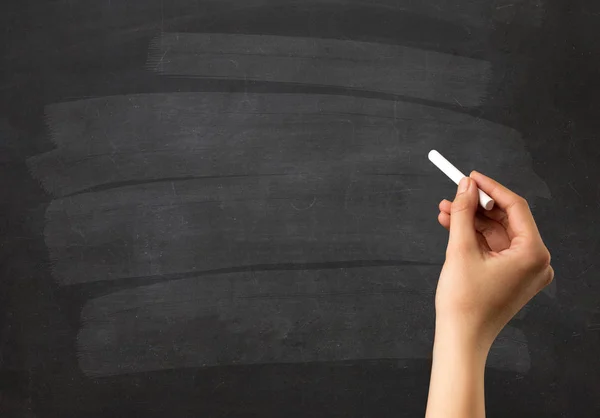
(456, 337)
(457, 375)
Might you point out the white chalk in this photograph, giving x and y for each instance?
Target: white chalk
(456, 176)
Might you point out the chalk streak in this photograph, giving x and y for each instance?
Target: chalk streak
(254, 318)
(369, 66)
(142, 138)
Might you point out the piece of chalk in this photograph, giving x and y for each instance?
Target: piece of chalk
(456, 176)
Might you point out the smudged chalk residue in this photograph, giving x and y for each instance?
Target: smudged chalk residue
(162, 136)
(324, 62)
(283, 227)
(271, 317)
(297, 220)
(171, 183)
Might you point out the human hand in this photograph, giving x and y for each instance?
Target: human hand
(496, 261)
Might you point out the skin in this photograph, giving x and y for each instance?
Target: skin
(496, 262)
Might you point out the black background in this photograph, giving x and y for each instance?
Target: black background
(545, 85)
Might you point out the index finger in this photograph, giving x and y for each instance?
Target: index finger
(520, 219)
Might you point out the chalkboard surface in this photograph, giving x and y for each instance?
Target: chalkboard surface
(225, 208)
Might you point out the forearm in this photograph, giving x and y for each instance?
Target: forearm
(456, 389)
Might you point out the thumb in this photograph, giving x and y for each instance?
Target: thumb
(462, 225)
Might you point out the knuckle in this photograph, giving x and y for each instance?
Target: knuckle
(542, 257)
(546, 277)
(537, 257)
(523, 202)
(549, 277)
(459, 205)
(494, 189)
(520, 203)
(546, 257)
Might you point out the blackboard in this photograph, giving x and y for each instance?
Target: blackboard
(224, 208)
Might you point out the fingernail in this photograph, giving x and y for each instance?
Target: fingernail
(463, 186)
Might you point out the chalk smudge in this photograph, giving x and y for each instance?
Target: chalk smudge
(270, 317)
(325, 62)
(170, 183)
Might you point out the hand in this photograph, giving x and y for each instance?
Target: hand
(496, 261)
